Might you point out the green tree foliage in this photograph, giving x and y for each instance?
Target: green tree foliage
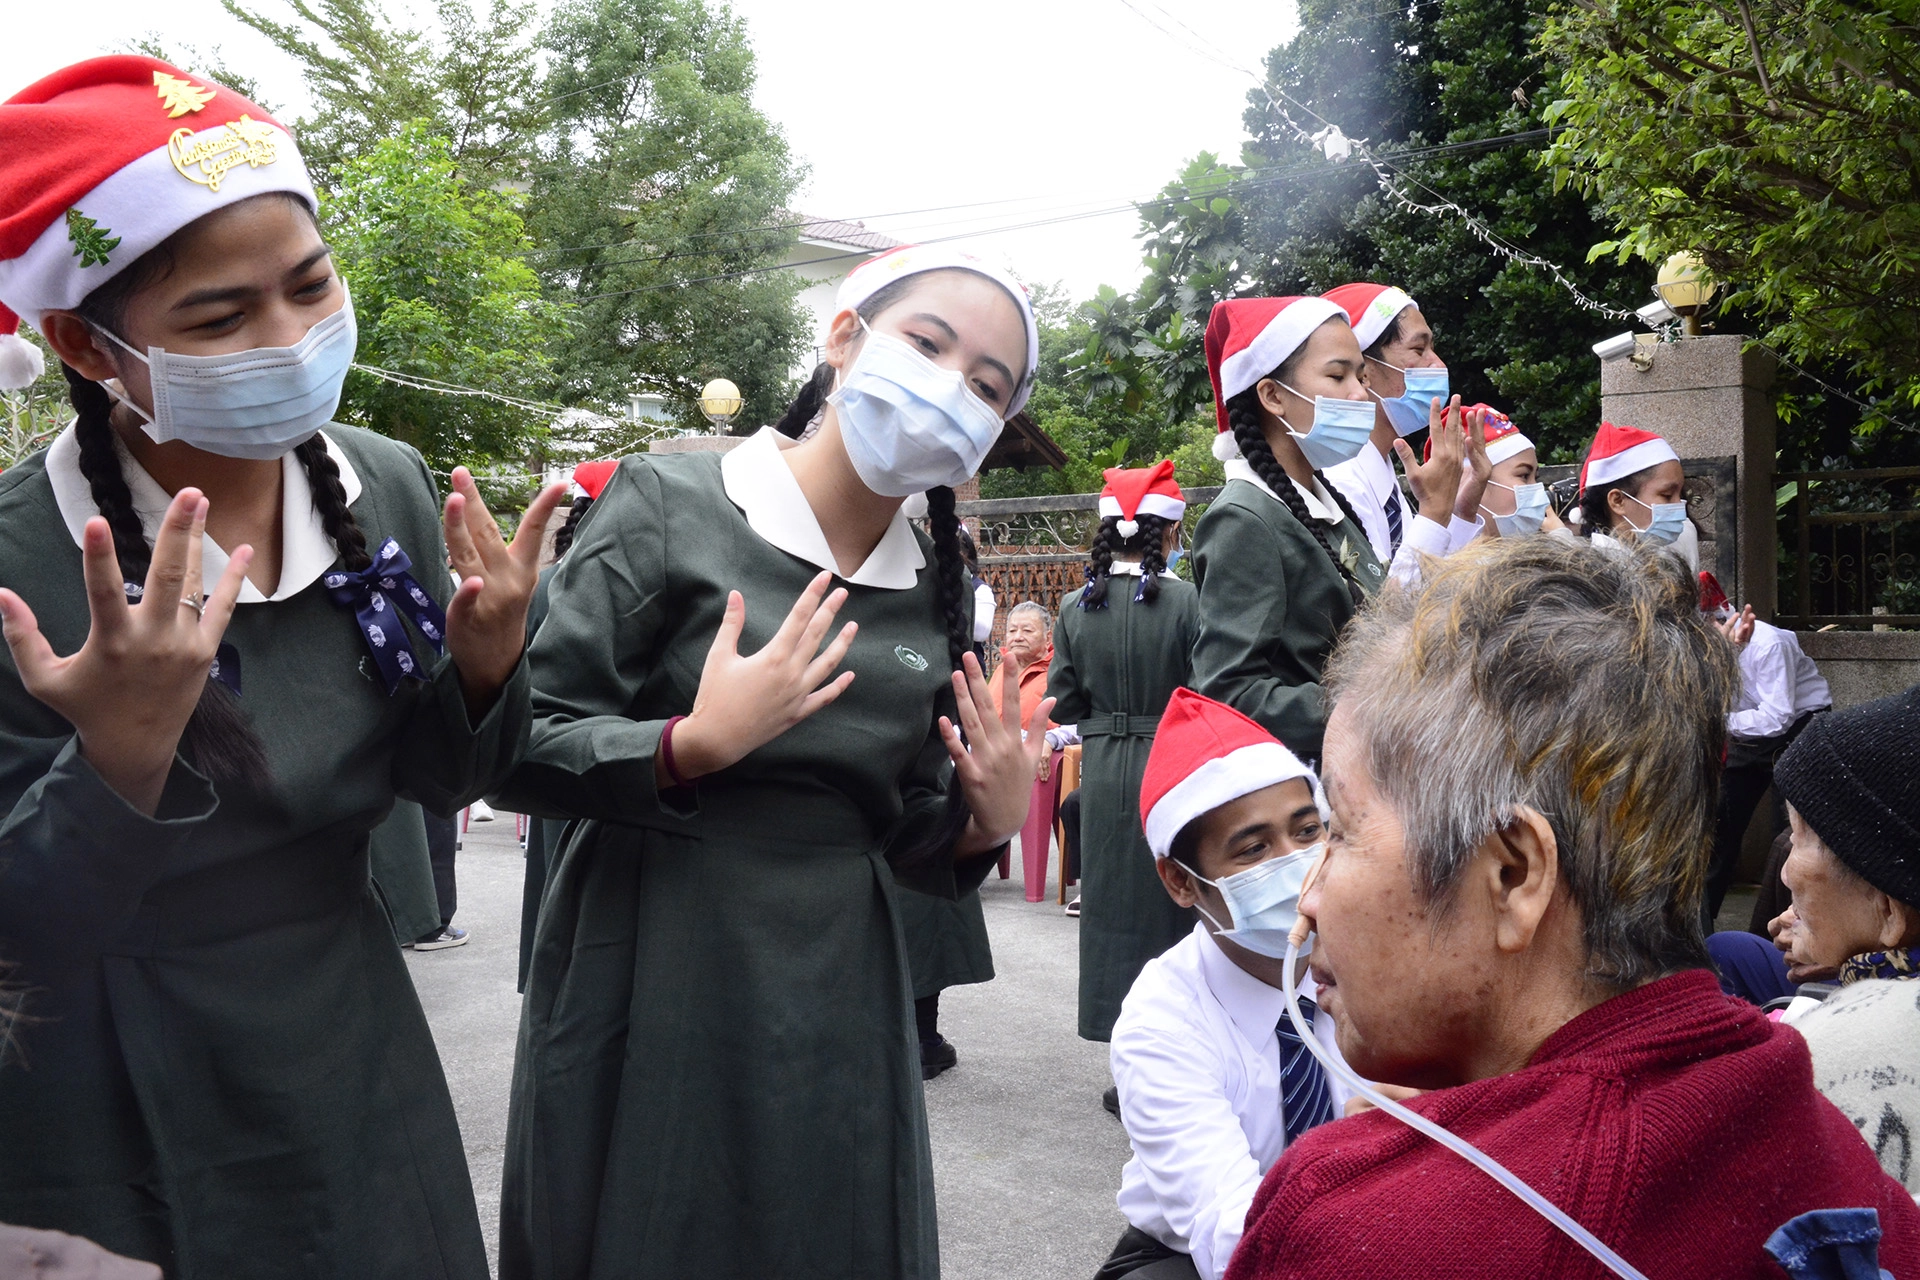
(440, 290)
(1781, 140)
(659, 207)
(1408, 79)
(654, 190)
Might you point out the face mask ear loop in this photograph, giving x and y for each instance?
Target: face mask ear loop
(1453, 1142)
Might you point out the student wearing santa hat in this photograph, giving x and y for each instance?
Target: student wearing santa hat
(1214, 1082)
(1405, 377)
(1515, 502)
(717, 1070)
(1632, 488)
(231, 1065)
(1124, 644)
(1280, 559)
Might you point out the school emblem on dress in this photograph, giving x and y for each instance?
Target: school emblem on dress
(909, 658)
(91, 241)
(205, 157)
(181, 97)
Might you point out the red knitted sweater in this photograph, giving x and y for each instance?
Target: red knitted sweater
(1678, 1125)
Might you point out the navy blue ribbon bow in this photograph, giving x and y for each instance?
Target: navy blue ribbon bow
(379, 595)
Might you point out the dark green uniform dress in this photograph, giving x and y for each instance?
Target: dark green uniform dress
(1113, 671)
(1271, 604)
(403, 872)
(718, 1074)
(234, 1077)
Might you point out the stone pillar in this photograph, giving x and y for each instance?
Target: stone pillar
(697, 444)
(1709, 398)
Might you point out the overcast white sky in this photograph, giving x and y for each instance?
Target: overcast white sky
(1022, 109)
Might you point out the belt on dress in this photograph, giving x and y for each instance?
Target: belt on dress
(1119, 724)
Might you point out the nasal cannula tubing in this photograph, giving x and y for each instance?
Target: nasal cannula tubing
(1458, 1145)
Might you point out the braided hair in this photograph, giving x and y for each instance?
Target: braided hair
(563, 536)
(1243, 416)
(813, 395)
(1148, 542)
(219, 740)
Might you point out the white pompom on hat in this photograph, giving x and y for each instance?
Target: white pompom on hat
(875, 274)
(1131, 492)
(20, 362)
(1206, 754)
(103, 160)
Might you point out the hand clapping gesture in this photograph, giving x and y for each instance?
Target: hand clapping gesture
(1436, 482)
(487, 618)
(132, 686)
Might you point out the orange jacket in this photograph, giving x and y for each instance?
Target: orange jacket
(1033, 687)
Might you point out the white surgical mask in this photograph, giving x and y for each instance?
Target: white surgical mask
(1529, 509)
(1264, 900)
(908, 424)
(1408, 411)
(1668, 519)
(1340, 430)
(249, 404)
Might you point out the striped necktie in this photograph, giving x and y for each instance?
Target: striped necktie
(1304, 1100)
(1394, 528)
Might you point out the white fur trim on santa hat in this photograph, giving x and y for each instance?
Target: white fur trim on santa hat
(1273, 344)
(1217, 782)
(1648, 453)
(1379, 313)
(1505, 447)
(140, 206)
(1153, 504)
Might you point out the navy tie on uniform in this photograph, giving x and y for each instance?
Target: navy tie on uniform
(1394, 529)
(1304, 1100)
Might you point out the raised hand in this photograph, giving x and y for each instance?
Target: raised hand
(487, 620)
(1436, 482)
(132, 686)
(1738, 627)
(1477, 470)
(995, 768)
(747, 702)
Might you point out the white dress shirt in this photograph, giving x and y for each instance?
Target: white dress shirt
(1778, 685)
(983, 609)
(1197, 1064)
(306, 551)
(759, 482)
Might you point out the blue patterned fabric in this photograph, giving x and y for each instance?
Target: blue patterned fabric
(1830, 1244)
(379, 595)
(1304, 1099)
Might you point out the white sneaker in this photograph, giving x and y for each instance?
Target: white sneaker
(480, 812)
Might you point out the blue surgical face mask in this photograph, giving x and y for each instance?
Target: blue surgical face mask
(1408, 411)
(908, 424)
(1264, 900)
(1529, 509)
(1340, 430)
(1669, 518)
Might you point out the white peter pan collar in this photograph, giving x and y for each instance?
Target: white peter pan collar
(1131, 568)
(759, 482)
(306, 551)
(1320, 504)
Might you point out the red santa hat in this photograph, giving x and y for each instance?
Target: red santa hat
(589, 478)
(875, 274)
(1133, 492)
(1618, 452)
(1503, 438)
(1247, 339)
(103, 160)
(1370, 308)
(1206, 754)
(1713, 598)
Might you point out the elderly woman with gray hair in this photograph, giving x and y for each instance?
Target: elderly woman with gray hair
(1522, 766)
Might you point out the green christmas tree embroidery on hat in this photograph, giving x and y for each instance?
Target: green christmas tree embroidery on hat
(91, 241)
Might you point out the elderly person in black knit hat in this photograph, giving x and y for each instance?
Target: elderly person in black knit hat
(1852, 785)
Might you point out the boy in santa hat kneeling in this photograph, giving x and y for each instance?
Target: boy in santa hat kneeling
(1214, 1082)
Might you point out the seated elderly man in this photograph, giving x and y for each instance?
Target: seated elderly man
(1521, 765)
(1853, 803)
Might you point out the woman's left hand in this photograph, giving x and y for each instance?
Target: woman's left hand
(487, 620)
(994, 767)
(1475, 468)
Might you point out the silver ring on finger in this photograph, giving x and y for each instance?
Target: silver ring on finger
(195, 602)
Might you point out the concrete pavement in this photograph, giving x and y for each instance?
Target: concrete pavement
(1025, 1161)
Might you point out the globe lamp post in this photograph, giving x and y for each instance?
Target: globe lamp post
(720, 402)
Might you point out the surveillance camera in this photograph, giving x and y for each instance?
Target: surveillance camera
(1656, 313)
(1618, 347)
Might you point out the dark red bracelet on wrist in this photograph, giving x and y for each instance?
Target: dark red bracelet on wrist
(666, 753)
